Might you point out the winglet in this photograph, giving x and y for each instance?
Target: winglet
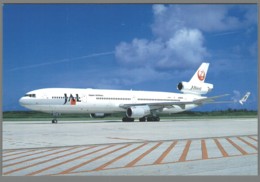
(243, 100)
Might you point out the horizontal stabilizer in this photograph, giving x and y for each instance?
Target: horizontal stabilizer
(209, 99)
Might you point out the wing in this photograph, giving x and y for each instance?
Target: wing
(244, 99)
(241, 101)
(158, 105)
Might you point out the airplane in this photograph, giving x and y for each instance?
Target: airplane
(145, 105)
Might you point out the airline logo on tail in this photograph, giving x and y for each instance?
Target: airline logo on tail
(201, 75)
(196, 85)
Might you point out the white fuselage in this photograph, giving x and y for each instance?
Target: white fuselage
(68, 100)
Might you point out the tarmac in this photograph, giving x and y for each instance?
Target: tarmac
(98, 147)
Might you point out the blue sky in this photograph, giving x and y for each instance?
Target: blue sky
(122, 46)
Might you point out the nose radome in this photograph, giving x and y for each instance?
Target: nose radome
(21, 101)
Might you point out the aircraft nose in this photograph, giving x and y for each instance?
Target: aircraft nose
(22, 101)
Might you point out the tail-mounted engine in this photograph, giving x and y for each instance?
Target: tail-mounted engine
(191, 88)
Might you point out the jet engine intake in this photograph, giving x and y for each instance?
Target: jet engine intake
(138, 111)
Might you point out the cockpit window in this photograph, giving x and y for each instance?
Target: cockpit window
(30, 95)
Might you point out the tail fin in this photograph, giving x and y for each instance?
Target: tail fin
(200, 75)
(243, 100)
(196, 84)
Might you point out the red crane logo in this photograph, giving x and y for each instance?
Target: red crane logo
(201, 75)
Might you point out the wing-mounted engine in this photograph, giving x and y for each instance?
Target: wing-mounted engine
(138, 111)
(195, 88)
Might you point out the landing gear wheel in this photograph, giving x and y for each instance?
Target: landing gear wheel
(126, 119)
(54, 121)
(149, 118)
(55, 116)
(153, 118)
(143, 119)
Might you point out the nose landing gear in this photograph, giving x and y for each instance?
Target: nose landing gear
(55, 115)
(54, 121)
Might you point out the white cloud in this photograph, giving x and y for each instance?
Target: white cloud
(178, 42)
(236, 96)
(139, 52)
(173, 46)
(186, 47)
(183, 49)
(159, 8)
(208, 18)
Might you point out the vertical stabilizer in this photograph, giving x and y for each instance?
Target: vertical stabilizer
(196, 85)
(200, 75)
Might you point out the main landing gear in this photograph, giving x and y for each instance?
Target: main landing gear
(126, 119)
(143, 119)
(149, 118)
